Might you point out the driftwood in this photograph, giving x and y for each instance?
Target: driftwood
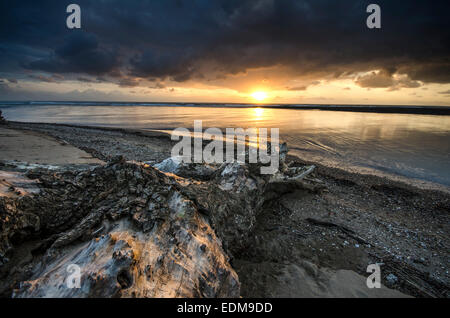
(127, 226)
(134, 230)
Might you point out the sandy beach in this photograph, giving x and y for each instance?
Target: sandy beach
(34, 147)
(353, 221)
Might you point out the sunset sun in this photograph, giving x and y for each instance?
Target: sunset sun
(259, 96)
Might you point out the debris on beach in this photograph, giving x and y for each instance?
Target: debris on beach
(135, 230)
(127, 226)
(14, 184)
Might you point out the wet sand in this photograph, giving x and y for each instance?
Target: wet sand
(34, 147)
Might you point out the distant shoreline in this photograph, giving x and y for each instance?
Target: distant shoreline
(381, 109)
(416, 110)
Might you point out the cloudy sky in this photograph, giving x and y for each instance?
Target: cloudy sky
(290, 51)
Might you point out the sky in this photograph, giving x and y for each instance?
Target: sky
(230, 51)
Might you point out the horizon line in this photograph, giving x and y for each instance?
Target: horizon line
(155, 103)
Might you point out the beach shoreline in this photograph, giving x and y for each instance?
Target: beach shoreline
(391, 222)
(166, 144)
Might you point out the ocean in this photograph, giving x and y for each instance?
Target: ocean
(408, 147)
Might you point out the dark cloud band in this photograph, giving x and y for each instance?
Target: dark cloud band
(203, 39)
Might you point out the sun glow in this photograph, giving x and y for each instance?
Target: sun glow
(259, 96)
(258, 112)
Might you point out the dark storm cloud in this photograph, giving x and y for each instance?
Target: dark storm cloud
(47, 79)
(86, 80)
(128, 82)
(79, 53)
(179, 67)
(200, 39)
(384, 79)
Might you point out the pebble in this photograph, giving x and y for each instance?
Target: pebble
(391, 278)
